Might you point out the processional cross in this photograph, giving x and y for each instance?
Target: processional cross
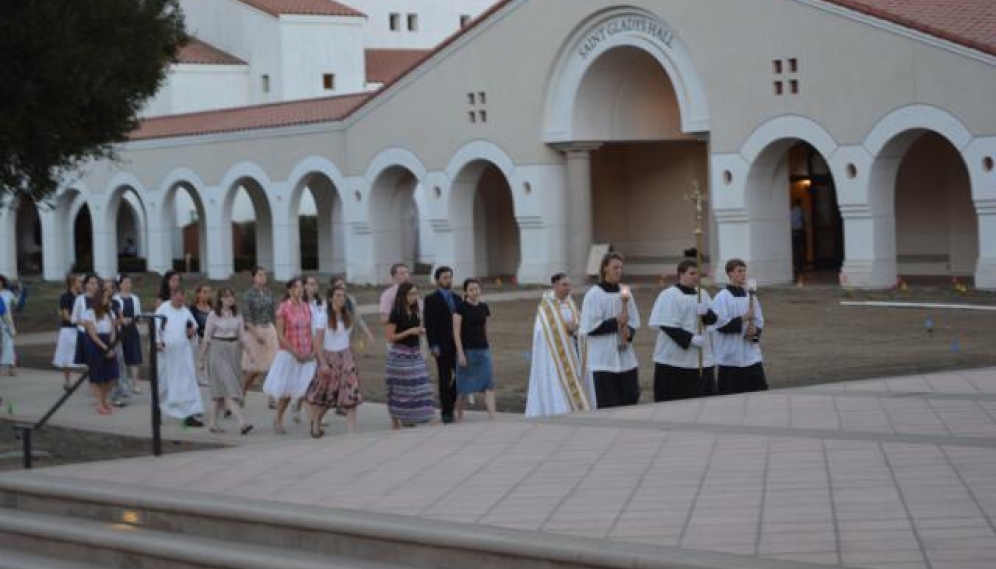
(698, 200)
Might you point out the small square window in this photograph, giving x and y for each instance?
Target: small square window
(394, 21)
(472, 116)
(483, 115)
(778, 88)
(328, 81)
(264, 82)
(794, 87)
(776, 66)
(464, 20)
(482, 97)
(412, 22)
(793, 65)
(471, 98)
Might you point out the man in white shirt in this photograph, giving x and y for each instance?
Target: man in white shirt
(683, 361)
(609, 320)
(739, 323)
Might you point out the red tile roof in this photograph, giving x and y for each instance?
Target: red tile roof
(971, 23)
(303, 7)
(327, 109)
(386, 65)
(202, 53)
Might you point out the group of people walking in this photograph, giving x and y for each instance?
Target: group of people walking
(455, 330)
(584, 360)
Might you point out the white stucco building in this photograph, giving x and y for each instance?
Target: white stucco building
(549, 125)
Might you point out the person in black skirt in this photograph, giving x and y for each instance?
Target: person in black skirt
(128, 306)
(83, 303)
(102, 356)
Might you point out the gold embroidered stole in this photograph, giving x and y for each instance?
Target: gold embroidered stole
(570, 363)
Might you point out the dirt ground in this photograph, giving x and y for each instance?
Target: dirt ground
(809, 338)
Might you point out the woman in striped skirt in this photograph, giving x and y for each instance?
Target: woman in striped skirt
(410, 398)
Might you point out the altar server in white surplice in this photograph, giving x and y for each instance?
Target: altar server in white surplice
(179, 395)
(559, 378)
(609, 320)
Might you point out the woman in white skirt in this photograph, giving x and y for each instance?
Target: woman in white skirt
(65, 347)
(294, 365)
(221, 359)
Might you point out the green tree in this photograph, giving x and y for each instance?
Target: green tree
(74, 75)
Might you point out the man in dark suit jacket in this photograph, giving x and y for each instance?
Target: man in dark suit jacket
(439, 307)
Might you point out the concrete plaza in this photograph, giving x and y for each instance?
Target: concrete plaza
(891, 473)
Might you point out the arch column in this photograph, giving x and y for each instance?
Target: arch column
(985, 267)
(361, 265)
(980, 156)
(105, 255)
(8, 239)
(286, 236)
(160, 238)
(577, 169)
(218, 234)
(866, 197)
(55, 241)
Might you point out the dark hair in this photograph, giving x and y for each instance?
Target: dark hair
(733, 264)
(217, 300)
(557, 278)
(101, 304)
(606, 259)
(164, 292)
(440, 271)
(318, 295)
(121, 278)
(256, 269)
(70, 281)
(396, 266)
(401, 305)
(335, 278)
(347, 319)
(87, 277)
(290, 285)
(685, 265)
(470, 281)
(3, 282)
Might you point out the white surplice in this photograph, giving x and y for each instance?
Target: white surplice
(179, 395)
(603, 349)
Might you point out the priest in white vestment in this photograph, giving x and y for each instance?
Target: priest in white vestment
(559, 379)
(179, 395)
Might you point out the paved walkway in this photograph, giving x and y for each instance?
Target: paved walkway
(895, 473)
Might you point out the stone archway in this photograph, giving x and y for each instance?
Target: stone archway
(184, 227)
(394, 219)
(487, 239)
(30, 246)
(627, 107)
(321, 233)
(248, 210)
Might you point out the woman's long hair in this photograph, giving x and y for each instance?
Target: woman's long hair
(401, 305)
(165, 294)
(347, 318)
(217, 301)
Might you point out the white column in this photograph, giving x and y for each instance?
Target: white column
(285, 238)
(8, 240)
(160, 238)
(733, 235)
(217, 235)
(985, 268)
(361, 266)
(870, 247)
(105, 237)
(579, 212)
(55, 245)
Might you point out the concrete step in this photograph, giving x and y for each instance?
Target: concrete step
(11, 559)
(119, 545)
(172, 523)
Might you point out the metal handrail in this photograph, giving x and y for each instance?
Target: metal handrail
(26, 429)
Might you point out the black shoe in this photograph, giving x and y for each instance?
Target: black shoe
(192, 422)
(447, 419)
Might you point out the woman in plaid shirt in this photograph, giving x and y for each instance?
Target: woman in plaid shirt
(294, 366)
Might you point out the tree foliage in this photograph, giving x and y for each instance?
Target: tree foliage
(75, 73)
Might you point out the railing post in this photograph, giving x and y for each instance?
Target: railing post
(157, 439)
(26, 437)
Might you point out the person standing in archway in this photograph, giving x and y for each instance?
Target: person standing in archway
(439, 308)
(609, 321)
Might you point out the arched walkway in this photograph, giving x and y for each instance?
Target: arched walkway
(487, 239)
(394, 219)
(320, 234)
(126, 217)
(184, 227)
(792, 177)
(251, 219)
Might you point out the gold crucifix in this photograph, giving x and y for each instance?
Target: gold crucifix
(698, 199)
